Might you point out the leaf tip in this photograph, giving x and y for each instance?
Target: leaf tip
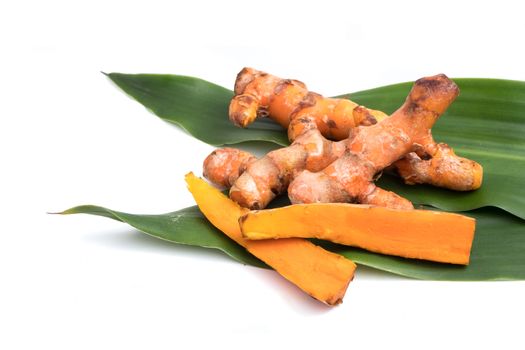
(74, 210)
(63, 212)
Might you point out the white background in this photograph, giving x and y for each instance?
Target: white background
(69, 137)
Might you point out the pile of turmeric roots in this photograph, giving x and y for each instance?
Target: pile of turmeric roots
(338, 149)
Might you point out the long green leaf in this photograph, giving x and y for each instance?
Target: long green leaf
(497, 252)
(486, 123)
(198, 106)
(187, 226)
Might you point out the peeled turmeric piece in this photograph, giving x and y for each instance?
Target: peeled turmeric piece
(258, 94)
(322, 274)
(420, 234)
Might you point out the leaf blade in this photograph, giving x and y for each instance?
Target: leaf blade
(197, 106)
(186, 226)
(496, 254)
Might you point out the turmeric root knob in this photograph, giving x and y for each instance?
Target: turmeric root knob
(224, 166)
(443, 169)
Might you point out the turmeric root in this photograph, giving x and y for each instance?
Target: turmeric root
(254, 183)
(258, 94)
(371, 149)
(320, 273)
(420, 234)
(318, 170)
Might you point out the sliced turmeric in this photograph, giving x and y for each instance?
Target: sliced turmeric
(419, 234)
(322, 274)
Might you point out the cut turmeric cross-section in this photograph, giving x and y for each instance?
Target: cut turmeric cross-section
(322, 274)
(420, 234)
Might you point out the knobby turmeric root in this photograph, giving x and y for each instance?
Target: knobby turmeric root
(258, 94)
(320, 273)
(254, 183)
(370, 150)
(315, 169)
(420, 234)
(224, 165)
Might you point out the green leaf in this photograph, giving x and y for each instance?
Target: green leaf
(198, 106)
(497, 251)
(186, 226)
(486, 123)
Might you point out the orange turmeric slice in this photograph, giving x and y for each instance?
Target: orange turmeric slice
(419, 234)
(322, 274)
